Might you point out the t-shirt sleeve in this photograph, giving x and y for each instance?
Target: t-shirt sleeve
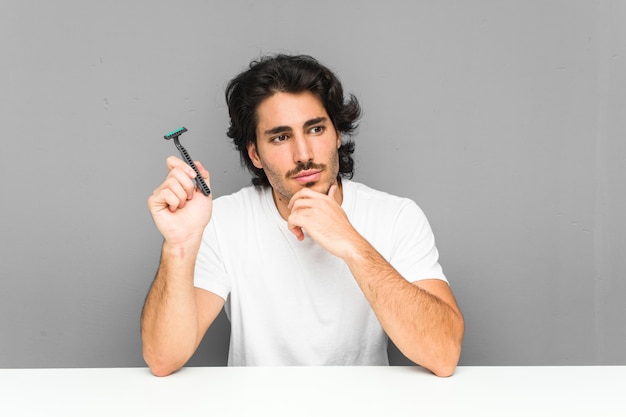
(414, 253)
(210, 273)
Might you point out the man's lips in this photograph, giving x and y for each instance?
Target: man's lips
(308, 175)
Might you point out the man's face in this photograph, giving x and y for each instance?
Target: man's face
(296, 145)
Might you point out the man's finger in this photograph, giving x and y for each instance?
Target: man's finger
(297, 231)
(333, 190)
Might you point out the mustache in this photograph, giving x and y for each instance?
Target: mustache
(303, 167)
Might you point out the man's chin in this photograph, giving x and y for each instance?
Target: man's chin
(317, 186)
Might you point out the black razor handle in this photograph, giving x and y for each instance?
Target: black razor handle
(183, 152)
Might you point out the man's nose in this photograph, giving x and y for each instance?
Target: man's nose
(302, 149)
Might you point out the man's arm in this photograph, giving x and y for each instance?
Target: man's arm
(176, 315)
(422, 319)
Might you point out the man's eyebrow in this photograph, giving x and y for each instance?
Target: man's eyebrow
(282, 129)
(277, 129)
(315, 121)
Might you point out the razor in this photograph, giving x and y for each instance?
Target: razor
(183, 152)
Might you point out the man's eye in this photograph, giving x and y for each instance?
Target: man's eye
(317, 129)
(280, 138)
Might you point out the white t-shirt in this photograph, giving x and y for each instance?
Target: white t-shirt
(290, 302)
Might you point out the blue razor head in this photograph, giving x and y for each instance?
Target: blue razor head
(175, 133)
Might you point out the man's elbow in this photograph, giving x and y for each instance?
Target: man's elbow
(161, 371)
(444, 370)
(442, 359)
(160, 366)
(445, 365)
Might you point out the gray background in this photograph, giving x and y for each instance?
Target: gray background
(504, 120)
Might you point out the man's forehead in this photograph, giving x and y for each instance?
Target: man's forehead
(289, 109)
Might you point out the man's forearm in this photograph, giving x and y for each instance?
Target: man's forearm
(169, 321)
(426, 329)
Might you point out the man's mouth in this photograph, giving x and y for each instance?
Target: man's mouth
(310, 175)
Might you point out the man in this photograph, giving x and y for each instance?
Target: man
(312, 268)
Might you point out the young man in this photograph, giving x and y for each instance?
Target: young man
(312, 268)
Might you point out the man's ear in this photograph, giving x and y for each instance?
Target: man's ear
(254, 156)
(338, 140)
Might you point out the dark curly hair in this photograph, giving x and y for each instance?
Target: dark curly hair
(288, 74)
